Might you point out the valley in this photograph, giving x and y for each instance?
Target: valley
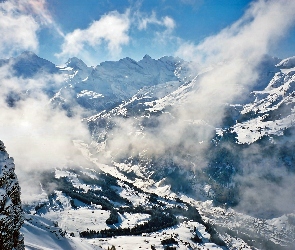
(162, 170)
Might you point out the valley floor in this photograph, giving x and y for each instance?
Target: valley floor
(57, 223)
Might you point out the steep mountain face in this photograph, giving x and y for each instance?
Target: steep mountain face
(28, 64)
(104, 86)
(11, 214)
(108, 84)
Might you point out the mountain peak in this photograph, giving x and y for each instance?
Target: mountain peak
(29, 56)
(147, 57)
(127, 59)
(28, 64)
(76, 63)
(74, 60)
(287, 63)
(28, 53)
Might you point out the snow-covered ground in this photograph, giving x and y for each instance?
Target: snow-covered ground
(274, 109)
(41, 234)
(45, 231)
(52, 229)
(182, 233)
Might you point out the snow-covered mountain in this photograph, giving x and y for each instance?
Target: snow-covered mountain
(28, 64)
(160, 178)
(110, 83)
(271, 113)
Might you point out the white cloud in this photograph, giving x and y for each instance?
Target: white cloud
(17, 30)
(234, 53)
(20, 20)
(266, 186)
(263, 24)
(38, 9)
(36, 135)
(169, 23)
(111, 29)
(143, 21)
(161, 29)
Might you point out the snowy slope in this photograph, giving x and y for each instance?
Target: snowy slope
(101, 87)
(273, 110)
(59, 225)
(287, 63)
(40, 233)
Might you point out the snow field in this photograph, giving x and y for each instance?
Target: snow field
(41, 234)
(182, 234)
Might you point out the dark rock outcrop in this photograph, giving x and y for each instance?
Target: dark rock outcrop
(11, 214)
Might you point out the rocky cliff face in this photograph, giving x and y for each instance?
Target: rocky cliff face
(11, 218)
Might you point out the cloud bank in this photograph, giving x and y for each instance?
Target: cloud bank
(18, 30)
(231, 59)
(38, 136)
(111, 29)
(39, 10)
(144, 21)
(262, 25)
(234, 55)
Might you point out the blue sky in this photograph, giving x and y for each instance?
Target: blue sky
(97, 31)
